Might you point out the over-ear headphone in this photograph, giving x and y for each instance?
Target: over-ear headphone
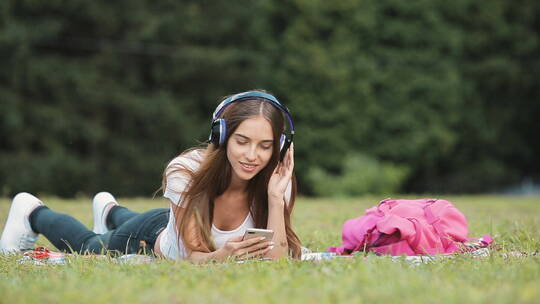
(218, 130)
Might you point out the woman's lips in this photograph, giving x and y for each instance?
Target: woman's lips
(248, 167)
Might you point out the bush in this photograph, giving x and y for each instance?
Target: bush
(360, 175)
(94, 96)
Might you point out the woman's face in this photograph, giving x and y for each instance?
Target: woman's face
(250, 147)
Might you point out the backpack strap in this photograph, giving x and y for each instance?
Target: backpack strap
(435, 222)
(432, 219)
(418, 236)
(387, 201)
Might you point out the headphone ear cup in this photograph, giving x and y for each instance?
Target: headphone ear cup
(218, 132)
(222, 131)
(285, 143)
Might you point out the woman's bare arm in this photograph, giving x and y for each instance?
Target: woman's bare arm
(276, 222)
(277, 186)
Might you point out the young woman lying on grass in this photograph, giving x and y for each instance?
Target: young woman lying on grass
(216, 192)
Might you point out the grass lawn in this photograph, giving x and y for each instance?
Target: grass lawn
(514, 222)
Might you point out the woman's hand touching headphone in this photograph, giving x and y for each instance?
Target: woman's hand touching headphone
(281, 177)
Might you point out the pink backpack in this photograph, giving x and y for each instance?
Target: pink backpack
(410, 227)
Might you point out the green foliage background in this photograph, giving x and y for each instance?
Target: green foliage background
(99, 95)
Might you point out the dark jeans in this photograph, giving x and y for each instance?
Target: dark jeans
(130, 232)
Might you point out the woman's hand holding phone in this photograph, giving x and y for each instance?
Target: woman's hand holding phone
(239, 248)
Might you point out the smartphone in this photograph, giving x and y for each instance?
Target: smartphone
(254, 232)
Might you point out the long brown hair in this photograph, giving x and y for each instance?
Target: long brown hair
(213, 177)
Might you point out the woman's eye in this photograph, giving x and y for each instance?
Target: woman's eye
(267, 147)
(241, 142)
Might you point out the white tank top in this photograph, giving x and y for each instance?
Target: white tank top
(220, 237)
(177, 182)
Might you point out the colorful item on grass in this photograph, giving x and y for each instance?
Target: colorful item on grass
(43, 256)
(477, 249)
(321, 256)
(408, 227)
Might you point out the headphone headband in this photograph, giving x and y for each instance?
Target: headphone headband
(253, 95)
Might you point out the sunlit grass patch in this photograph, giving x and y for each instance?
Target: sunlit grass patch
(510, 275)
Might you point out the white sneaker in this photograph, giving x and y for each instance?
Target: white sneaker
(18, 235)
(100, 203)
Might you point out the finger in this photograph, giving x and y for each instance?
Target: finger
(284, 178)
(289, 170)
(236, 238)
(288, 162)
(276, 170)
(291, 156)
(259, 253)
(250, 242)
(255, 254)
(234, 246)
(259, 246)
(284, 165)
(240, 254)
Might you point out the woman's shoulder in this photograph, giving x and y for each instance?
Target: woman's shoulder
(178, 174)
(190, 159)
